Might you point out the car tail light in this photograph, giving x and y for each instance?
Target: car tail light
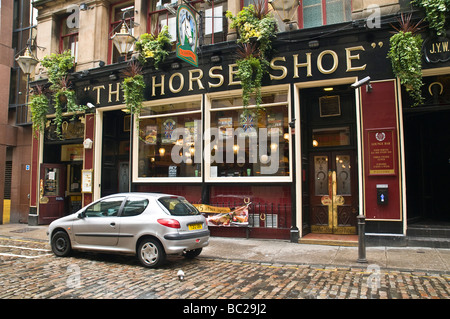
(172, 223)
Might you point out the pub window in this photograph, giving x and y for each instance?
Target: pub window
(215, 24)
(121, 12)
(169, 143)
(159, 16)
(249, 144)
(68, 39)
(315, 13)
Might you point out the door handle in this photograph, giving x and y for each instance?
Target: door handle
(113, 224)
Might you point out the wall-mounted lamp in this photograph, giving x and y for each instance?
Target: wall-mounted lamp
(123, 40)
(87, 144)
(27, 61)
(286, 10)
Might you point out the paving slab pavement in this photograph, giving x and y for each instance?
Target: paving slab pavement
(284, 252)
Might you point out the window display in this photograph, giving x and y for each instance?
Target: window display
(247, 143)
(170, 140)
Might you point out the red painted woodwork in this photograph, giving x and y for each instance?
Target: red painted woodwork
(379, 112)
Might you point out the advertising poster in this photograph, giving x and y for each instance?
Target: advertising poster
(224, 216)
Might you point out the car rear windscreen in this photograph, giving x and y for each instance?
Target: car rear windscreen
(178, 206)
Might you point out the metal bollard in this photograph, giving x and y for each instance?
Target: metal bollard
(361, 239)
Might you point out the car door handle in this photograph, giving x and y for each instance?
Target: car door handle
(113, 224)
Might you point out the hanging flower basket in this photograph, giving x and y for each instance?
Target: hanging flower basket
(256, 28)
(405, 54)
(154, 48)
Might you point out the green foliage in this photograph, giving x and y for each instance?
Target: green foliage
(156, 47)
(256, 28)
(58, 67)
(251, 71)
(406, 58)
(133, 86)
(254, 22)
(39, 107)
(133, 90)
(436, 12)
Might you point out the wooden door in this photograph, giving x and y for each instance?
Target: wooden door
(52, 188)
(333, 192)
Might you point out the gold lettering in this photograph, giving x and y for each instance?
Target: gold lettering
(445, 46)
(278, 67)
(350, 57)
(161, 85)
(307, 64)
(198, 79)
(98, 91)
(171, 82)
(116, 92)
(335, 62)
(433, 49)
(215, 76)
(231, 73)
(438, 47)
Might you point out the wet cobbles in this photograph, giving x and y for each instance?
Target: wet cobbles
(28, 270)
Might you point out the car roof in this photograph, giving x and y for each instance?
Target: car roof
(154, 195)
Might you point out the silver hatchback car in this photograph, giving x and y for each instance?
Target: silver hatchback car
(148, 225)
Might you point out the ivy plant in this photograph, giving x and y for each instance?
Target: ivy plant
(133, 86)
(251, 69)
(436, 12)
(156, 47)
(58, 67)
(256, 28)
(39, 103)
(405, 54)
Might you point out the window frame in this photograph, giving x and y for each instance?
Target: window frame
(135, 170)
(70, 36)
(207, 139)
(99, 202)
(134, 198)
(324, 14)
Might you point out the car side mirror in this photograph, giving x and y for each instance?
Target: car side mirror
(81, 215)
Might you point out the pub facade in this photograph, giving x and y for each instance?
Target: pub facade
(334, 137)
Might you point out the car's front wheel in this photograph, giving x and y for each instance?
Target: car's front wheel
(60, 244)
(150, 253)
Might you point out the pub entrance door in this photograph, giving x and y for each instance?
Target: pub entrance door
(333, 192)
(52, 188)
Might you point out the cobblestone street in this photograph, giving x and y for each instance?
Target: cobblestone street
(28, 270)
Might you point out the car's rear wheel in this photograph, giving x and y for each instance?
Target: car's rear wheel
(150, 253)
(60, 244)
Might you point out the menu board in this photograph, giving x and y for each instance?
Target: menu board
(381, 152)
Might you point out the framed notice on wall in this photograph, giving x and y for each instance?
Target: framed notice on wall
(381, 152)
(86, 181)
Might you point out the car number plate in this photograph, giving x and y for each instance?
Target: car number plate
(195, 226)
